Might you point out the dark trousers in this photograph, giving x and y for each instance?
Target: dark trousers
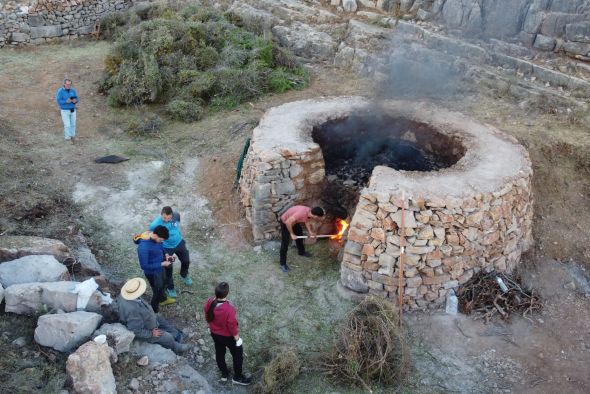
(157, 284)
(237, 354)
(286, 240)
(169, 333)
(182, 253)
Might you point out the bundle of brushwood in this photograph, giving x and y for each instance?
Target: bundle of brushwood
(489, 295)
(371, 348)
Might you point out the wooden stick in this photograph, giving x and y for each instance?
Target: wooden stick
(317, 236)
(402, 241)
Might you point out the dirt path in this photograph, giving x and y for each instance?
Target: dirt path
(192, 168)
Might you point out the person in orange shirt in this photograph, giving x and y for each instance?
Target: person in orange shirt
(291, 227)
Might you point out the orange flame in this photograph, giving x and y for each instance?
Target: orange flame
(341, 226)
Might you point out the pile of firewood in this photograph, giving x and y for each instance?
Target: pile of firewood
(490, 295)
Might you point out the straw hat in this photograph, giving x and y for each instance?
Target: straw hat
(133, 288)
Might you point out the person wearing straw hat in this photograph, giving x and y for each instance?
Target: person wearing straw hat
(139, 317)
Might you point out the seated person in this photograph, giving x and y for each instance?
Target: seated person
(139, 317)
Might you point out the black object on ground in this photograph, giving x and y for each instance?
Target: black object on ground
(111, 159)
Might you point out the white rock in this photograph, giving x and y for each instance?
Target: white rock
(64, 332)
(90, 370)
(134, 384)
(118, 336)
(349, 5)
(42, 268)
(27, 298)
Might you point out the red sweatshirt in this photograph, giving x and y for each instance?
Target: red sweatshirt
(225, 322)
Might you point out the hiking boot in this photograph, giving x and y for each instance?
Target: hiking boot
(285, 268)
(187, 281)
(244, 381)
(171, 293)
(168, 301)
(181, 348)
(305, 254)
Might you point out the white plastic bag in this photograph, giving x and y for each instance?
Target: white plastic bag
(85, 291)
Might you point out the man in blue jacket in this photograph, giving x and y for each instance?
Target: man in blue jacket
(151, 259)
(173, 245)
(67, 98)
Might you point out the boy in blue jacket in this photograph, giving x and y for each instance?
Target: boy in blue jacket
(151, 259)
(67, 98)
(173, 245)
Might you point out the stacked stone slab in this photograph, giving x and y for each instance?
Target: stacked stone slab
(39, 21)
(283, 165)
(474, 215)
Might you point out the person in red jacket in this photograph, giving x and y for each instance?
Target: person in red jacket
(223, 326)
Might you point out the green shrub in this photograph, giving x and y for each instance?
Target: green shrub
(185, 111)
(192, 59)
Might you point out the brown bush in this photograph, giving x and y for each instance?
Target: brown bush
(280, 372)
(371, 347)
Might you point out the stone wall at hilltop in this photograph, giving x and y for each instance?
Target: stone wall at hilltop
(38, 21)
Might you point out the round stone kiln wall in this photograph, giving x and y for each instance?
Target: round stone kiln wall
(474, 215)
(447, 240)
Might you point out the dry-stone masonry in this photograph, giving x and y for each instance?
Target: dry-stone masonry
(474, 215)
(37, 21)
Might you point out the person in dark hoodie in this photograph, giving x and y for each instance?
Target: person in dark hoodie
(152, 260)
(67, 98)
(221, 316)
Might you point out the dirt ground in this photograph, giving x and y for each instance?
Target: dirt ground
(48, 185)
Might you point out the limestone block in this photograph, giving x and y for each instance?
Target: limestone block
(46, 31)
(579, 32)
(305, 41)
(544, 43)
(349, 5)
(353, 280)
(89, 369)
(118, 336)
(28, 269)
(65, 331)
(19, 37)
(368, 3)
(409, 219)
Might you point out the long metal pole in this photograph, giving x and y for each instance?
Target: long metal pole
(402, 241)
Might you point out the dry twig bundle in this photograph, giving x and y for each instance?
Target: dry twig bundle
(371, 347)
(280, 372)
(483, 295)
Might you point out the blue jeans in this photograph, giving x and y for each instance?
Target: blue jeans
(69, 119)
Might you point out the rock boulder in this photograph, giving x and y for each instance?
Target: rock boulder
(42, 268)
(27, 298)
(65, 331)
(90, 371)
(13, 247)
(118, 336)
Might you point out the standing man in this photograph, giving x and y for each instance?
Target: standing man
(291, 227)
(151, 259)
(67, 98)
(173, 245)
